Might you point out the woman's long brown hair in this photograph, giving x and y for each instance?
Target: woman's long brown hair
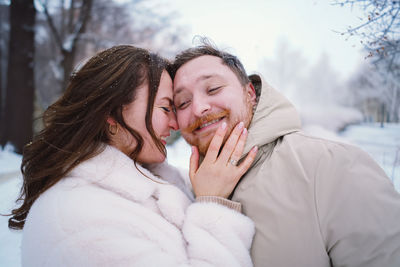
(75, 127)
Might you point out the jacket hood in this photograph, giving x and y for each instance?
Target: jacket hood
(274, 117)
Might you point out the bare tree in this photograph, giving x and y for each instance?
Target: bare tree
(299, 79)
(2, 92)
(365, 89)
(4, 32)
(72, 20)
(286, 69)
(109, 23)
(379, 31)
(375, 94)
(20, 76)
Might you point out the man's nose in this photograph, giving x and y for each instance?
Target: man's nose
(200, 106)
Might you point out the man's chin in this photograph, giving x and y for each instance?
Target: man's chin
(201, 143)
(203, 147)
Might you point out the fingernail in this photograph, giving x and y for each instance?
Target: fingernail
(223, 126)
(192, 149)
(254, 149)
(240, 126)
(244, 131)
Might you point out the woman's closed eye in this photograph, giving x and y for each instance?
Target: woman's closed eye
(167, 109)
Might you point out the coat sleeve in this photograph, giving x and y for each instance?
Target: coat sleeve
(212, 235)
(217, 235)
(358, 209)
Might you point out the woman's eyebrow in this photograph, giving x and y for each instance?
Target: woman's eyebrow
(168, 99)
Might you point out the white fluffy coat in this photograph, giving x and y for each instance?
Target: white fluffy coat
(106, 213)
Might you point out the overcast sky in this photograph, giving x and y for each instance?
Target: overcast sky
(251, 29)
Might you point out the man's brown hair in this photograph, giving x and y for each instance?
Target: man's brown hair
(207, 48)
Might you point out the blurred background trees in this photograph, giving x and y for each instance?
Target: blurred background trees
(379, 31)
(66, 32)
(63, 34)
(371, 93)
(16, 111)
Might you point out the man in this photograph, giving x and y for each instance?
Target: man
(314, 202)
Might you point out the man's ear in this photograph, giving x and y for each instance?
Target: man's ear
(251, 92)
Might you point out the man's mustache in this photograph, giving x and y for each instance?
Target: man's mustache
(205, 119)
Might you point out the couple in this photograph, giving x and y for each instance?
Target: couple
(96, 192)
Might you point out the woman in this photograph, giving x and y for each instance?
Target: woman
(88, 200)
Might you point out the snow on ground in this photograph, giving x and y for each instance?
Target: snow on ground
(9, 161)
(10, 183)
(383, 144)
(331, 117)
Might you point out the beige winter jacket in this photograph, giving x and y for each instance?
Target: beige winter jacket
(314, 202)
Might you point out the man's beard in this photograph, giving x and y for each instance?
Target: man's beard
(204, 142)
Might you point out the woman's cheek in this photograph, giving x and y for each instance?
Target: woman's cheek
(158, 118)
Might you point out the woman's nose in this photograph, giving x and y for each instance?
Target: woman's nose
(173, 123)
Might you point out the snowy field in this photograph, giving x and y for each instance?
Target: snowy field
(383, 144)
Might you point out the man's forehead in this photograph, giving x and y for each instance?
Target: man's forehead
(186, 82)
(198, 70)
(204, 60)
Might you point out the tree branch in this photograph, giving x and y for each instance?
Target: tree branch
(53, 28)
(82, 21)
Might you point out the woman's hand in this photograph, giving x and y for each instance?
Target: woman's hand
(218, 175)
